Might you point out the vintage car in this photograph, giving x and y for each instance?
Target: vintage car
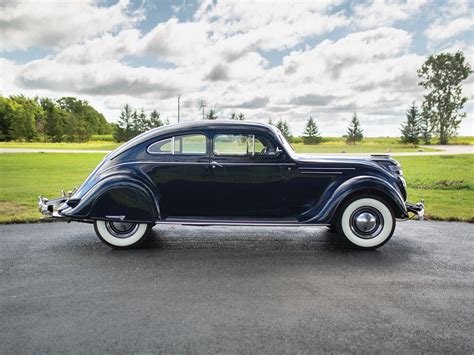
(234, 173)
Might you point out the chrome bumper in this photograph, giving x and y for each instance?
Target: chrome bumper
(417, 208)
(49, 208)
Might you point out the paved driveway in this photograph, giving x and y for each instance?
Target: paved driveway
(236, 290)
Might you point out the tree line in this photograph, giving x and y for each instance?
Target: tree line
(63, 120)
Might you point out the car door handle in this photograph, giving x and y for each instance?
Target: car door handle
(214, 164)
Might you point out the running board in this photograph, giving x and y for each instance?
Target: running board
(236, 222)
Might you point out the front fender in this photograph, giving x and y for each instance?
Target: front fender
(324, 211)
(118, 197)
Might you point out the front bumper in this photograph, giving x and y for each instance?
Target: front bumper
(49, 208)
(417, 208)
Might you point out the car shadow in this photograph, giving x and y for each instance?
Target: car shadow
(317, 240)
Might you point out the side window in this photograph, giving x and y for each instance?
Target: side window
(161, 147)
(188, 144)
(243, 145)
(191, 144)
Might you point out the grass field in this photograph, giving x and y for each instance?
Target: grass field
(445, 182)
(330, 145)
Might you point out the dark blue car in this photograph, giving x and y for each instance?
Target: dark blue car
(234, 173)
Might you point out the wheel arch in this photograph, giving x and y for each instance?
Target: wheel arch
(119, 197)
(360, 185)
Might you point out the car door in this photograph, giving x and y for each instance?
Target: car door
(181, 173)
(247, 175)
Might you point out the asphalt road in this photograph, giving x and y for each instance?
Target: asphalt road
(236, 290)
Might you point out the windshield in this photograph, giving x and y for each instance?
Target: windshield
(285, 143)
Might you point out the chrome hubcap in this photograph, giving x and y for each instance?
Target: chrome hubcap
(121, 229)
(366, 222)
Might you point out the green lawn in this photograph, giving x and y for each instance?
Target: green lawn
(445, 182)
(330, 145)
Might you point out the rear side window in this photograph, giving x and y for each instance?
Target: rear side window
(186, 144)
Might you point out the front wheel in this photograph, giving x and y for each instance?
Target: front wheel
(366, 222)
(121, 235)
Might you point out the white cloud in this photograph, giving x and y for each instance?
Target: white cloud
(442, 30)
(49, 24)
(223, 55)
(375, 13)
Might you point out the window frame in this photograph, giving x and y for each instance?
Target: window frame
(172, 152)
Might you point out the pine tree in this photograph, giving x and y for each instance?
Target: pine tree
(425, 127)
(284, 128)
(123, 129)
(211, 115)
(143, 122)
(411, 129)
(354, 132)
(155, 120)
(311, 133)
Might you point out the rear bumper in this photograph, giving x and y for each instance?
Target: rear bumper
(417, 208)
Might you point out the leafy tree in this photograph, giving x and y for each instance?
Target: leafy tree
(311, 133)
(6, 116)
(354, 132)
(54, 124)
(284, 128)
(83, 119)
(411, 129)
(442, 74)
(233, 116)
(241, 117)
(23, 123)
(211, 115)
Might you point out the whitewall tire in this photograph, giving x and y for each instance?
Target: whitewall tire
(366, 222)
(121, 235)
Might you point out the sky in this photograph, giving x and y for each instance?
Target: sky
(279, 59)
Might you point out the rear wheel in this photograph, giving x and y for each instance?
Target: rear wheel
(366, 222)
(121, 235)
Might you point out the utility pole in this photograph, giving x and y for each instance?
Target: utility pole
(203, 105)
(179, 96)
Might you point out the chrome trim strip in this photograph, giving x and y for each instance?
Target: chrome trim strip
(194, 163)
(322, 172)
(303, 167)
(239, 223)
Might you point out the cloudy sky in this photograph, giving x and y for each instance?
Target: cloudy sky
(286, 59)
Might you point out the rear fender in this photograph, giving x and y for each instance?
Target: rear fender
(119, 197)
(333, 197)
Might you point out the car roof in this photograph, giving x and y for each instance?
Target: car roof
(185, 126)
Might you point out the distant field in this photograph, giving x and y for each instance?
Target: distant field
(330, 145)
(445, 182)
